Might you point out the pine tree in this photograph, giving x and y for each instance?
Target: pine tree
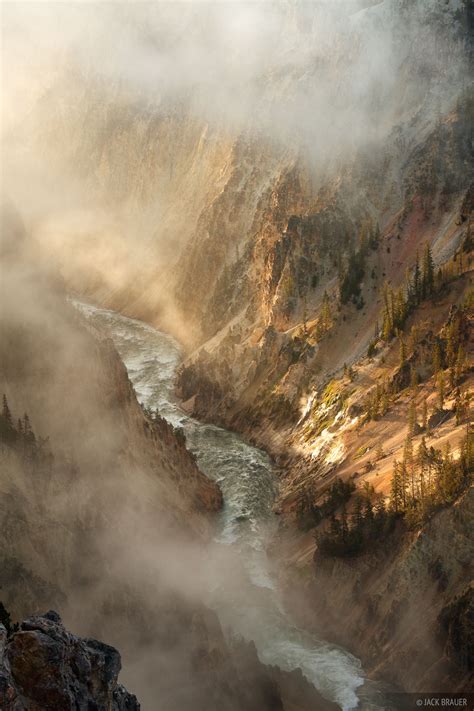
(440, 279)
(437, 358)
(467, 452)
(458, 406)
(452, 377)
(412, 418)
(427, 280)
(422, 460)
(403, 352)
(369, 511)
(7, 429)
(5, 619)
(384, 400)
(7, 415)
(413, 380)
(451, 345)
(414, 337)
(400, 310)
(417, 288)
(424, 414)
(387, 324)
(380, 514)
(404, 482)
(305, 316)
(459, 365)
(409, 465)
(441, 389)
(449, 476)
(397, 492)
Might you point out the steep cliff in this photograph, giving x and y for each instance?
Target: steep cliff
(403, 607)
(42, 665)
(104, 513)
(312, 273)
(88, 480)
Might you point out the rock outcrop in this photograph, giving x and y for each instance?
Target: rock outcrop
(43, 666)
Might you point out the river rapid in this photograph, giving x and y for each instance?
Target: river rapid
(244, 473)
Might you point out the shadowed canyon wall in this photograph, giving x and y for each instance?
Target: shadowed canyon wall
(257, 184)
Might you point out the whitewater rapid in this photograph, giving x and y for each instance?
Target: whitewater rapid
(246, 522)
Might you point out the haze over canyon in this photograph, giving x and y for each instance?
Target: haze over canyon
(236, 354)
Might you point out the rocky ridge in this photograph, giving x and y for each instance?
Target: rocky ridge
(43, 666)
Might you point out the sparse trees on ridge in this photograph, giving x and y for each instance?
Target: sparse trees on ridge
(432, 477)
(22, 438)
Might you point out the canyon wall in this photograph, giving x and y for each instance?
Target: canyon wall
(268, 249)
(105, 515)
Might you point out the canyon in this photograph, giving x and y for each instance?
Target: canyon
(314, 261)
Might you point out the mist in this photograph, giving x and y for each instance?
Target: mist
(102, 521)
(173, 86)
(123, 125)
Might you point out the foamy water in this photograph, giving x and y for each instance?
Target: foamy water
(244, 473)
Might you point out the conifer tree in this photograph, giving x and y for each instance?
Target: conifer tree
(403, 352)
(467, 452)
(440, 279)
(409, 465)
(305, 316)
(413, 380)
(428, 273)
(387, 325)
(7, 430)
(441, 389)
(437, 358)
(412, 418)
(459, 365)
(422, 461)
(417, 289)
(451, 345)
(459, 406)
(7, 415)
(424, 414)
(380, 514)
(396, 492)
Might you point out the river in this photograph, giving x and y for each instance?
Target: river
(244, 473)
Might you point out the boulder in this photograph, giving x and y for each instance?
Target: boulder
(43, 666)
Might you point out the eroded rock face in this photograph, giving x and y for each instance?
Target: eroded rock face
(43, 666)
(411, 607)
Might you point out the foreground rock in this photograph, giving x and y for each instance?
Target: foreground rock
(43, 666)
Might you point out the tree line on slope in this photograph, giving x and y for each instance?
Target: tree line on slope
(422, 482)
(19, 436)
(424, 358)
